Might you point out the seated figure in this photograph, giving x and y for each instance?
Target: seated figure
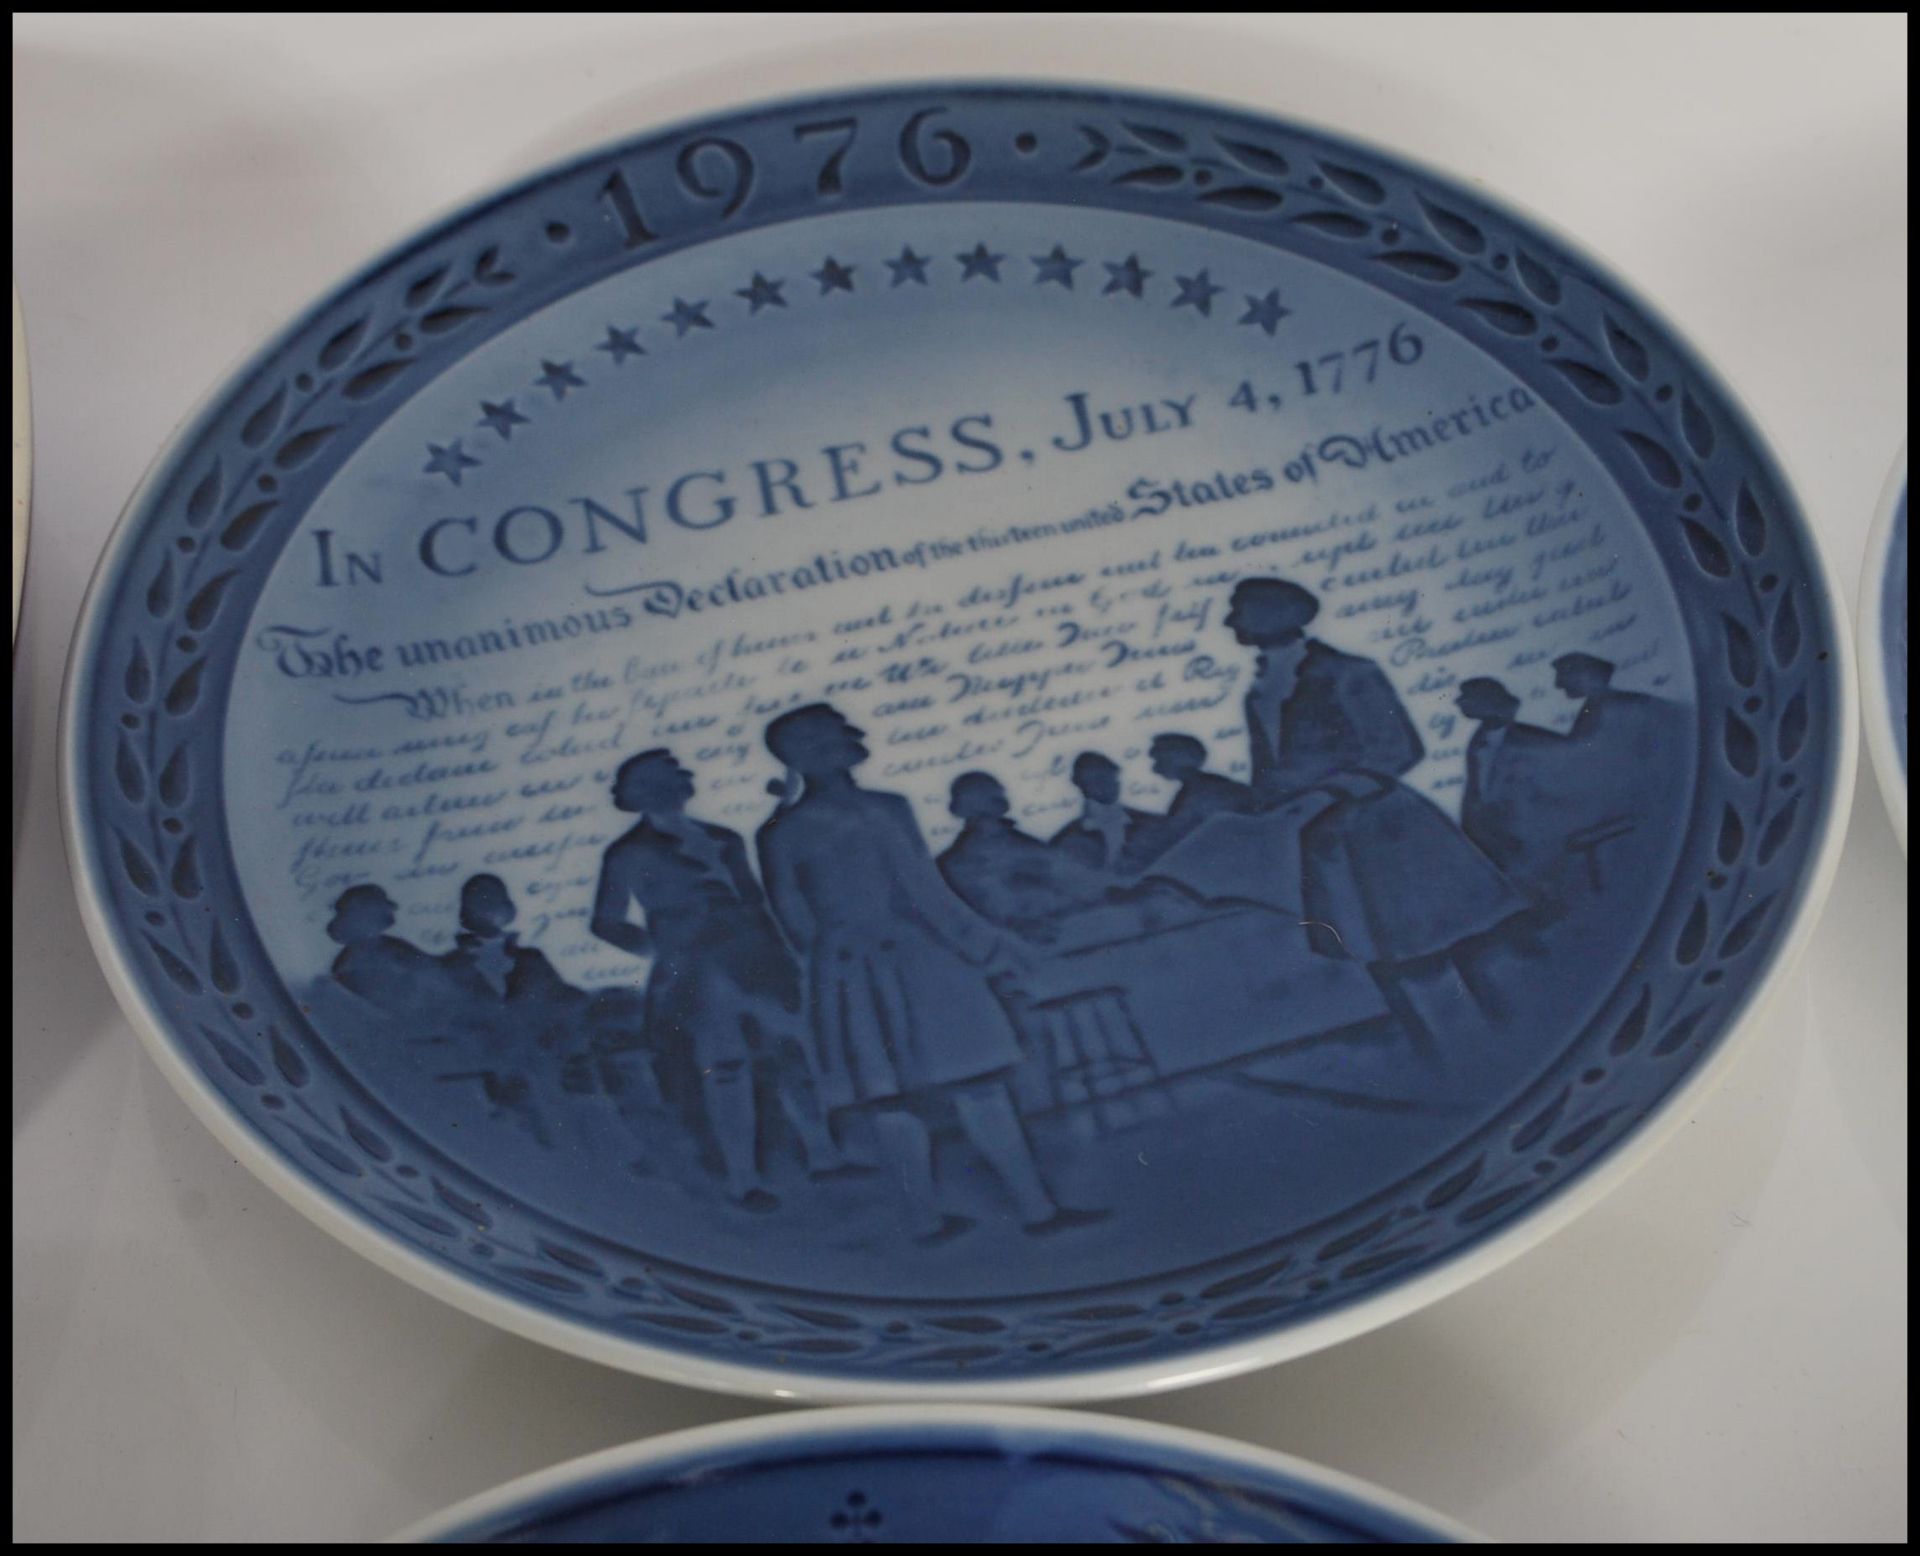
(1106, 835)
(489, 964)
(386, 971)
(1003, 873)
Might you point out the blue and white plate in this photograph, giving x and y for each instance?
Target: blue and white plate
(1882, 619)
(965, 1474)
(993, 739)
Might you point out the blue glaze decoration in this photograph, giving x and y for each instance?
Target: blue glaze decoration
(946, 1482)
(854, 1079)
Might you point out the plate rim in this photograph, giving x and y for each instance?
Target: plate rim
(22, 461)
(789, 1426)
(1869, 619)
(1185, 1369)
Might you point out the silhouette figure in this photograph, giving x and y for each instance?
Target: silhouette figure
(507, 999)
(1604, 711)
(722, 996)
(1312, 711)
(1106, 835)
(898, 974)
(382, 969)
(1182, 760)
(1515, 807)
(1083, 1042)
(1007, 875)
(1387, 878)
(490, 965)
(1636, 744)
(1633, 724)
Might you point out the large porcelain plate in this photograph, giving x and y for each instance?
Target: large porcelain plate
(970, 738)
(1882, 617)
(967, 1475)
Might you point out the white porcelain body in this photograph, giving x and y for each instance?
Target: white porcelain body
(1876, 697)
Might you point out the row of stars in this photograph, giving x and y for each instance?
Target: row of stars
(1127, 278)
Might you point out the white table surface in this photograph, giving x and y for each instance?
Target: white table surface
(1718, 1352)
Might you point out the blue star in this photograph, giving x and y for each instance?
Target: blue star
(448, 461)
(762, 293)
(622, 344)
(908, 267)
(834, 276)
(1056, 267)
(1198, 292)
(980, 263)
(503, 418)
(559, 377)
(687, 316)
(1265, 311)
(1129, 277)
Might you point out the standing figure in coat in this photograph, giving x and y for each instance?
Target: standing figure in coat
(1516, 808)
(898, 969)
(1387, 878)
(723, 993)
(1634, 749)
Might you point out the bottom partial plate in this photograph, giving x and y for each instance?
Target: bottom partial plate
(1883, 645)
(966, 1474)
